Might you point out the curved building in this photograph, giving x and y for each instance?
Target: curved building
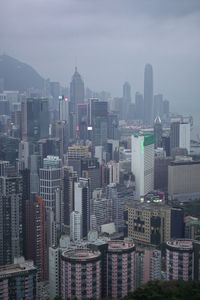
(120, 268)
(179, 260)
(81, 274)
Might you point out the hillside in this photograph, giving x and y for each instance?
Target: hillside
(18, 75)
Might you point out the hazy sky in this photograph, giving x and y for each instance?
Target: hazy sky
(110, 41)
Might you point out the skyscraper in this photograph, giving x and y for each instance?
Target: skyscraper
(158, 132)
(148, 94)
(10, 218)
(35, 119)
(77, 91)
(126, 99)
(143, 163)
(180, 136)
(98, 120)
(82, 203)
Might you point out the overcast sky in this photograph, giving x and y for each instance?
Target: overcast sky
(110, 41)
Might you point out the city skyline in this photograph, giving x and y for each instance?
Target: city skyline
(114, 39)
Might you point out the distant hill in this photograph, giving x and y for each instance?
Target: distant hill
(18, 75)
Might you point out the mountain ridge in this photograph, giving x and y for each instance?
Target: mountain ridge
(18, 75)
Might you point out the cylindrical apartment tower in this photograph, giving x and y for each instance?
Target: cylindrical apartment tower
(120, 268)
(179, 260)
(81, 274)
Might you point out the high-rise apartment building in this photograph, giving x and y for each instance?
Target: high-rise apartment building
(179, 260)
(120, 269)
(76, 226)
(70, 177)
(143, 163)
(148, 94)
(18, 280)
(147, 265)
(35, 248)
(11, 234)
(81, 274)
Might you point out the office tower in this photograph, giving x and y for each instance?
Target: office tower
(18, 280)
(90, 169)
(139, 106)
(69, 178)
(60, 130)
(76, 91)
(184, 137)
(82, 121)
(149, 223)
(120, 269)
(35, 164)
(147, 265)
(35, 235)
(50, 183)
(9, 148)
(180, 136)
(55, 92)
(158, 106)
(177, 223)
(11, 235)
(75, 226)
(50, 180)
(148, 95)
(50, 146)
(113, 126)
(4, 107)
(157, 132)
(166, 108)
(161, 173)
(81, 274)
(35, 119)
(25, 150)
(166, 144)
(98, 120)
(82, 202)
(77, 152)
(63, 109)
(143, 163)
(183, 179)
(126, 100)
(179, 260)
(113, 169)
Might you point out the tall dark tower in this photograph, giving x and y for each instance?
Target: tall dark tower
(148, 94)
(77, 91)
(157, 132)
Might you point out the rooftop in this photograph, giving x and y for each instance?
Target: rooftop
(81, 254)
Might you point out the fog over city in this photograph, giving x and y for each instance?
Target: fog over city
(110, 41)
